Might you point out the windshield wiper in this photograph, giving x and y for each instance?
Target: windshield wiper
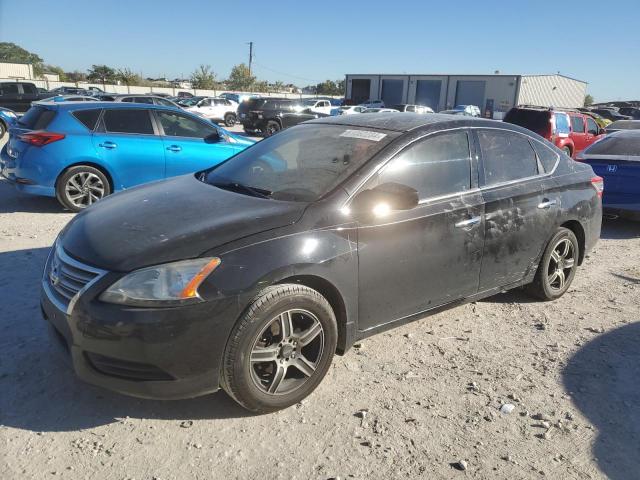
(239, 187)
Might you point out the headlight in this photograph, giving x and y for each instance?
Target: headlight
(169, 284)
(11, 114)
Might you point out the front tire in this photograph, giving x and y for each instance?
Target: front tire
(557, 267)
(81, 186)
(229, 120)
(271, 128)
(567, 150)
(3, 129)
(280, 349)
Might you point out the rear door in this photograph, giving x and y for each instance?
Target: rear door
(11, 97)
(129, 146)
(520, 214)
(578, 132)
(414, 260)
(185, 146)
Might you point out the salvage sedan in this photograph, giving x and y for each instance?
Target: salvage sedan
(252, 274)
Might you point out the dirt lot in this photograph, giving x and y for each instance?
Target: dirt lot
(431, 391)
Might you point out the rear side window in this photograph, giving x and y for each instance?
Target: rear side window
(548, 158)
(8, 88)
(89, 118)
(29, 89)
(436, 166)
(128, 121)
(577, 124)
(37, 118)
(562, 123)
(506, 156)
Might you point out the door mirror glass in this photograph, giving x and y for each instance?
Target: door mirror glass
(385, 198)
(213, 137)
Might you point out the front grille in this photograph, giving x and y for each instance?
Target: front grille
(66, 277)
(125, 369)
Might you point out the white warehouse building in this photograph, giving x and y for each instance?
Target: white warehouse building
(493, 94)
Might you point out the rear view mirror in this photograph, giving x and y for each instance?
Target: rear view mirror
(213, 138)
(385, 198)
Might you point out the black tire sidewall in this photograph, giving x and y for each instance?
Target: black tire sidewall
(276, 129)
(567, 150)
(64, 178)
(546, 291)
(3, 129)
(237, 376)
(229, 120)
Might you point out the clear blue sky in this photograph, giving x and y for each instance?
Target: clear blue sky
(307, 42)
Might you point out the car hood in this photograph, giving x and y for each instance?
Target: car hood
(170, 220)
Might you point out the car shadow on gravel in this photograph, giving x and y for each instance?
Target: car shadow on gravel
(38, 389)
(620, 228)
(603, 380)
(13, 201)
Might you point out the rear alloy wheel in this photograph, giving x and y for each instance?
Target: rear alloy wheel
(557, 267)
(567, 150)
(280, 349)
(81, 186)
(229, 120)
(271, 128)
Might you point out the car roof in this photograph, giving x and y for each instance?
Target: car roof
(99, 104)
(406, 122)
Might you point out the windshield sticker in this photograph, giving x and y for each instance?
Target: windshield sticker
(364, 134)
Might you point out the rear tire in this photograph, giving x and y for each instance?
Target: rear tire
(81, 186)
(557, 267)
(229, 120)
(280, 349)
(567, 150)
(271, 128)
(3, 129)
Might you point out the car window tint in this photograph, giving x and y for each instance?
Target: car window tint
(9, 89)
(127, 120)
(29, 89)
(127, 99)
(162, 101)
(88, 118)
(577, 124)
(562, 123)
(148, 100)
(435, 166)
(37, 118)
(506, 156)
(547, 156)
(178, 125)
(592, 126)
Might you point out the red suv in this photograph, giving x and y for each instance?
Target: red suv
(569, 130)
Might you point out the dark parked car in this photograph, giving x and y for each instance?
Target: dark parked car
(616, 158)
(69, 91)
(251, 277)
(611, 113)
(267, 116)
(633, 112)
(623, 125)
(18, 96)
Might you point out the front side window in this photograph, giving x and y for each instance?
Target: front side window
(128, 121)
(592, 127)
(178, 125)
(147, 100)
(29, 89)
(506, 156)
(577, 124)
(439, 165)
(302, 163)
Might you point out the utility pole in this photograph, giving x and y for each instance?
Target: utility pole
(250, 56)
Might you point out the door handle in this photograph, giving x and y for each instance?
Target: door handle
(470, 222)
(174, 148)
(108, 144)
(547, 203)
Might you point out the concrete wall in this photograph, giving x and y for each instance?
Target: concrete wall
(23, 71)
(552, 91)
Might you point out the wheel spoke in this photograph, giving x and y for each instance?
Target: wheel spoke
(555, 256)
(286, 324)
(74, 184)
(265, 354)
(566, 246)
(304, 365)
(277, 379)
(569, 263)
(561, 277)
(553, 277)
(311, 333)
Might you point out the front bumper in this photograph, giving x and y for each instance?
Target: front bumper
(168, 353)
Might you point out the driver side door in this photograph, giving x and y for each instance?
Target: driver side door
(413, 260)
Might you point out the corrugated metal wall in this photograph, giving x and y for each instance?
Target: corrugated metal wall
(16, 70)
(551, 91)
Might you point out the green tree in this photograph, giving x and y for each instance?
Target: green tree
(588, 100)
(128, 77)
(102, 74)
(240, 78)
(204, 78)
(10, 52)
(57, 70)
(76, 76)
(261, 86)
(278, 86)
(329, 87)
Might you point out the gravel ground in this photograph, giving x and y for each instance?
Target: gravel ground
(427, 400)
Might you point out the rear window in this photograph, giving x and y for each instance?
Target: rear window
(535, 120)
(625, 143)
(37, 118)
(255, 103)
(128, 121)
(88, 118)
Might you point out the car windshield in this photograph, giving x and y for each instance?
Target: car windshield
(300, 164)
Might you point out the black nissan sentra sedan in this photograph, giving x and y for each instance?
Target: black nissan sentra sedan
(251, 275)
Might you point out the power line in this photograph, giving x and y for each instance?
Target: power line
(287, 74)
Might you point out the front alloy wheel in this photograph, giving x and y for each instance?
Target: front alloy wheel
(280, 349)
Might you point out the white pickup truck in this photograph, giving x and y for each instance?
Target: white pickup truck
(315, 105)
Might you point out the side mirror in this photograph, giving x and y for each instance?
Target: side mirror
(601, 131)
(385, 198)
(213, 138)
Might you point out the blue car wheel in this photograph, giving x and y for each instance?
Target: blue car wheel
(81, 186)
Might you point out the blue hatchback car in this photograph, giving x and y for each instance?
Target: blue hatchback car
(80, 152)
